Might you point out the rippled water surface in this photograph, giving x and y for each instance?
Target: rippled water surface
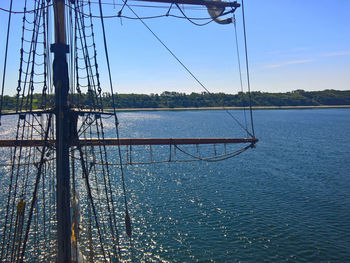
(286, 200)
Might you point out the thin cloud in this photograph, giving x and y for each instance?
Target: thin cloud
(341, 53)
(287, 51)
(290, 62)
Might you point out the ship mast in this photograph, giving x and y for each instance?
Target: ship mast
(61, 83)
(62, 112)
(66, 121)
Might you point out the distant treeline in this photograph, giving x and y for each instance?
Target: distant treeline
(181, 100)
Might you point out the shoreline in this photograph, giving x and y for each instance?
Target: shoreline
(235, 108)
(11, 112)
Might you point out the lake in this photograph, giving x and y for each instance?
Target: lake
(286, 200)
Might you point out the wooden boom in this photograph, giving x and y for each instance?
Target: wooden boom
(197, 2)
(129, 141)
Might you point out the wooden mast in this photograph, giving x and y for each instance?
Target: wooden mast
(65, 117)
(61, 83)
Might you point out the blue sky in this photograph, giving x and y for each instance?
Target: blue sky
(292, 44)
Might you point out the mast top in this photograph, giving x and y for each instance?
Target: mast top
(60, 27)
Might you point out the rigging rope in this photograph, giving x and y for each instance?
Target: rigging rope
(247, 68)
(239, 66)
(12, 169)
(5, 60)
(27, 128)
(216, 158)
(103, 154)
(25, 11)
(37, 181)
(127, 216)
(187, 69)
(88, 188)
(30, 127)
(16, 245)
(2, 95)
(167, 14)
(84, 43)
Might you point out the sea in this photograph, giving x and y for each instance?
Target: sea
(287, 200)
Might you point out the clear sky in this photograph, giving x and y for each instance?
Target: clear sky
(292, 44)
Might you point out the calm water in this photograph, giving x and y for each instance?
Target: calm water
(286, 200)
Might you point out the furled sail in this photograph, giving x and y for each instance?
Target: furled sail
(216, 12)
